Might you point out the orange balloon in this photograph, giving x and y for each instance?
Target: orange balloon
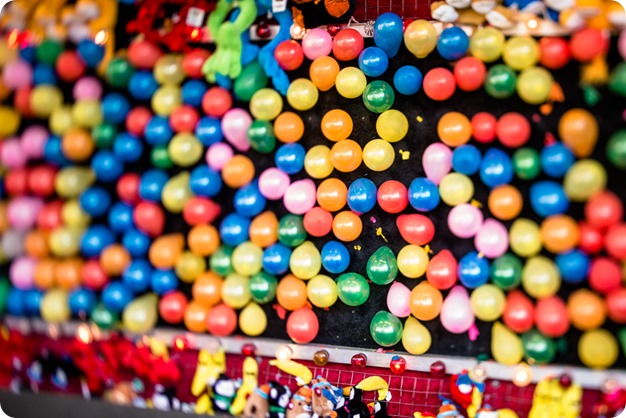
(291, 293)
(67, 273)
(77, 144)
(36, 244)
(559, 233)
(586, 310)
(332, 194)
(44, 274)
(207, 289)
(203, 240)
(238, 171)
(288, 127)
(425, 301)
(336, 125)
(195, 317)
(347, 226)
(454, 129)
(114, 260)
(4, 220)
(505, 202)
(346, 155)
(578, 129)
(264, 229)
(323, 72)
(165, 251)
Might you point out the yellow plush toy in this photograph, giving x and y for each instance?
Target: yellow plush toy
(248, 385)
(210, 366)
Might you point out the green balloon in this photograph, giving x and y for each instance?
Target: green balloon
(104, 318)
(119, 72)
(621, 337)
(263, 287)
(291, 230)
(261, 136)
(617, 82)
(591, 95)
(5, 286)
(382, 266)
(500, 82)
(378, 96)
(104, 134)
(386, 329)
(506, 272)
(48, 51)
(616, 149)
(353, 289)
(251, 80)
(526, 163)
(538, 348)
(220, 262)
(160, 158)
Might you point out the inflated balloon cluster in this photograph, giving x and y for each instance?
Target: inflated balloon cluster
(90, 197)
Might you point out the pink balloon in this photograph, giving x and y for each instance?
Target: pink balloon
(465, 220)
(87, 88)
(492, 239)
(34, 140)
(11, 153)
(300, 197)
(398, 300)
(17, 74)
(456, 311)
(22, 212)
(22, 273)
(437, 161)
(273, 183)
(12, 243)
(235, 124)
(621, 44)
(218, 155)
(317, 43)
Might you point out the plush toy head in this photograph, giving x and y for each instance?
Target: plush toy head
(501, 17)
(224, 391)
(487, 412)
(279, 397)
(300, 405)
(257, 405)
(571, 401)
(325, 398)
(448, 410)
(483, 6)
(443, 12)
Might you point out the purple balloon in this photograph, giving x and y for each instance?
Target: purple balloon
(235, 124)
(34, 140)
(456, 311)
(437, 161)
(465, 220)
(300, 197)
(273, 183)
(22, 273)
(22, 212)
(17, 74)
(492, 239)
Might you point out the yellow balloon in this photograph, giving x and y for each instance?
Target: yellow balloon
(247, 259)
(44, 99)
(525, 238)
(54, 306)
(506, 347)
(302, 94)
(392, 125)
(166, 99)
(87, 113)
(236, 291)
(73, 215)
(412, 261)
(520, 52)
(540, 277)
(456, 188)
(486, 44)
(350, 82)
(378, 155)
(584, 179)
(72, 181)
(322, 291)
(305, 261)
(176, 193)
(64, 241)
(185, 149)
(61, 120)
(266, 104)
(420, 38)
(507, 413)
(598, 349)
(10, 121)
(252, 320)
(169, 69)
(416, 338)
(140, 315)
(488, 302)
(317, 162)
(189, 266)
(534, 85)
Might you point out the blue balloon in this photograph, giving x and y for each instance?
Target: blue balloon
(53, 152)
(115, 107)
(16, 302)
(466, 159)
(388, 33)
(32, 302)
(290, 158)
(473, 270)
(408, 80)
(548, 198)
(573, 266)
(423, 195)
(142, 85)
(249, 201)
(2, 191)
(82, 301)
(28, 53)
(234, 229)
(163, 281)
(556, 159)
(137, 275)
(209, 131)
(453, 43)
(44, 74)
(276, 259)
(362, 195)
(90, 52)
(107, 166)
(335, 257)
(496, 168)
(137, 243)
(373, 61)
(95, 239)
(95, 201)
(121, 217)
(158, 131)
(116, 295)
(193, 91)
(205, 182)
(151, 184)
(127, 147)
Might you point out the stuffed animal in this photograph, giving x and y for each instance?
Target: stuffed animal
(487, 412)
(302, 373)
(546, 399)
(223, 392)
(326, 399)
(612, 402)
(378, 384)
(278, 398)
(210, 367)
(571, 401)
(466, 392)
(257, 404)
(448, 410)
(300, 405)
(248, 384)
(314, 13)
(379, 409)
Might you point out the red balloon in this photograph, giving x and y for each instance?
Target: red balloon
(21, 101)
(193, 62)
(318, 222)
(616, 305)
(41, 180)
(289, 55)
(392, 196)
(615, 241)
(551, 317)
(172, 307)
(415, 228)
(69, 66)
(143, 55)
(128, 188)
(137, 119)
(149, 218)
(184, 119)
(588, 43)
(513, 130)
(216, 101)
(200, 210)
(439, 84)
(16, 181)
(442, 270)
(604, 210)
(470, 73)
(484, 127)
(591, 239)
(605, 275)
(519, 312)
(302, 325)
(93, 275)
(347, 44)
(221, 320)
(49, 217)
(555, 53)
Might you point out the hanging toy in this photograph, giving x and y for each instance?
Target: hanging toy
(300, 405)
(326, 399)
(257, 404)
(378, 384)
(248, 385)
(278, 398)
(224, 391)
(466, 392)
(354, 407)
(448, 410)
(266, 54)
(210, 367)
(302, 373)
(571, 400)
(546, 399)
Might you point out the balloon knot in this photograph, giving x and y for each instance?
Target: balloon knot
(546, 109)
(280, 311)
(405, 154)
(476, 203)
(481, 255)
(419, 119)
(549, 139)
(428, 249)
(473, 333)
(357, 248)
(379, 233)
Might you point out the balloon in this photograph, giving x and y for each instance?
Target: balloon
(263, 229)
(470, 73)
(439, 84)
(335, 257)
(22, 212)
(305, 261)
(193, 62)
(473, 270)
(437, 161)
(386, 329)
(291, 231)
(289, 55)
(266, 104)
(453, 43)
(165, 250)
(456, 189)
(140, 316)
(505, 202)
(486, 44)
(442, 270)
(578, 129)
(206, 289)
(323, 72)
(586, 310)
(420, 38)
(506, 347)
(407, 80)
(500, 82)
(551, 317)
(496, 168)
(584, 179)
(247, 259)
(332, 194)
(317, 162)
(263, 287)
(197, 318)
(574, 265)
(302, 94)
(488, 302)
(276, 259)
(388, 29)
(302, 325)
(378, 96)
(172, 307)
(221, 320)
(350, 82)
(163, 281)
(318, 222)
(548, 198)
(416, 338)
(104, 318)
(456, 312)
(288, 127)
(506, 271)
(615, 244)
(425, 301)
(220, 262)
(189, 266)
(604, 210)
(415, 229)
(412, 261)
(526, 163)
(54, 306)
(598, 349)
(588, 43)
(317, 43)
(336, 125)
(492, 239)
(540, 277)
(352, 289)
(252, 320)
(616, 305)
(520, 53)
(392, 125)
(559, 233)
(347, 226)
(346, 155)
(291, 293)
(537, 348)
(114, 259)
(513, 130)
(251, 79)
(347, 44)
(22, 272)
(555, 52)
(466, 159)
(322, 291)
(423, 195)
(300, 196)
(236, 291)
(238, 171)
(235, 125)
(378, 155)
(519, 312)
(616, 149)
(534, 85)
(362, 195)
(556, 159)
(465, 220)
(248, 200)
(382, 266)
